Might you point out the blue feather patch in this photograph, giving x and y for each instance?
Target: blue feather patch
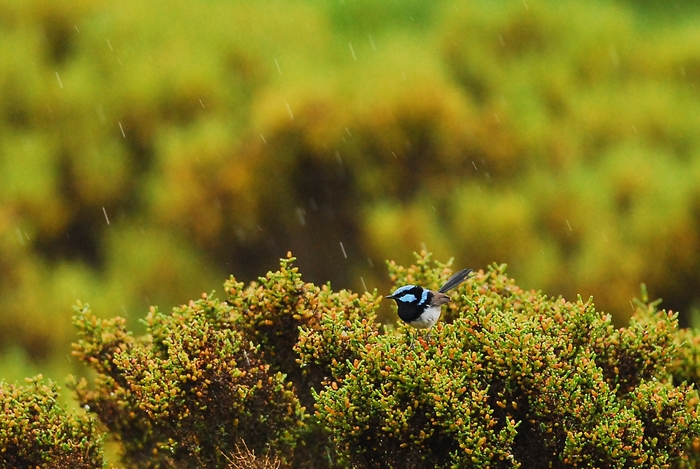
(403, 289)
(408, 298)
(424, 297)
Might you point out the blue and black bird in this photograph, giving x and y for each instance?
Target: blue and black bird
(421, 307)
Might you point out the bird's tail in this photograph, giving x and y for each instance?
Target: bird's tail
(455, 280)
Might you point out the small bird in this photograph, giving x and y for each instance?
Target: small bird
(421, 307)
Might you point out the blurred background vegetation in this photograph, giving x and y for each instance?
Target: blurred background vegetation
(149, 149)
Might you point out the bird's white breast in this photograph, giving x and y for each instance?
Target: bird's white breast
(428, 319)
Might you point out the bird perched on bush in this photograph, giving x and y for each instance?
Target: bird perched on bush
(421, 307)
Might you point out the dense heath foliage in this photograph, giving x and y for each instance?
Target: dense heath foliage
(285, 373)
(149, 148)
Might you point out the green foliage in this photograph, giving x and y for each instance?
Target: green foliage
(508, 378)
(271, 312)
(559, 137)
(36, 432)
(511, 379)
(213, 375)
(189, 391)
(686, 361)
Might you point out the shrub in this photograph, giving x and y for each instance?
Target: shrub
(559, 138)
(512, 378)
(509, 378)
(213, 375)
(36, 432)
(188, 391)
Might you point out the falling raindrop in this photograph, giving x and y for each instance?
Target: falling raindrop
(371, 42)
(352, 51)
(345, 255)
(60, 83)
(278, 67)
(106, 217)
(301, 215)
(122, 128)
(289, 109)
(364, 285)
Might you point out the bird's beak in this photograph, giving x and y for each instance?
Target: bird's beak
(389, 297)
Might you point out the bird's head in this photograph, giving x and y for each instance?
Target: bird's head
(410, 295)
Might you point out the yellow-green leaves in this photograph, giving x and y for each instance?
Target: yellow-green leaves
(512, 378)
(35, 431)
(508, 378)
